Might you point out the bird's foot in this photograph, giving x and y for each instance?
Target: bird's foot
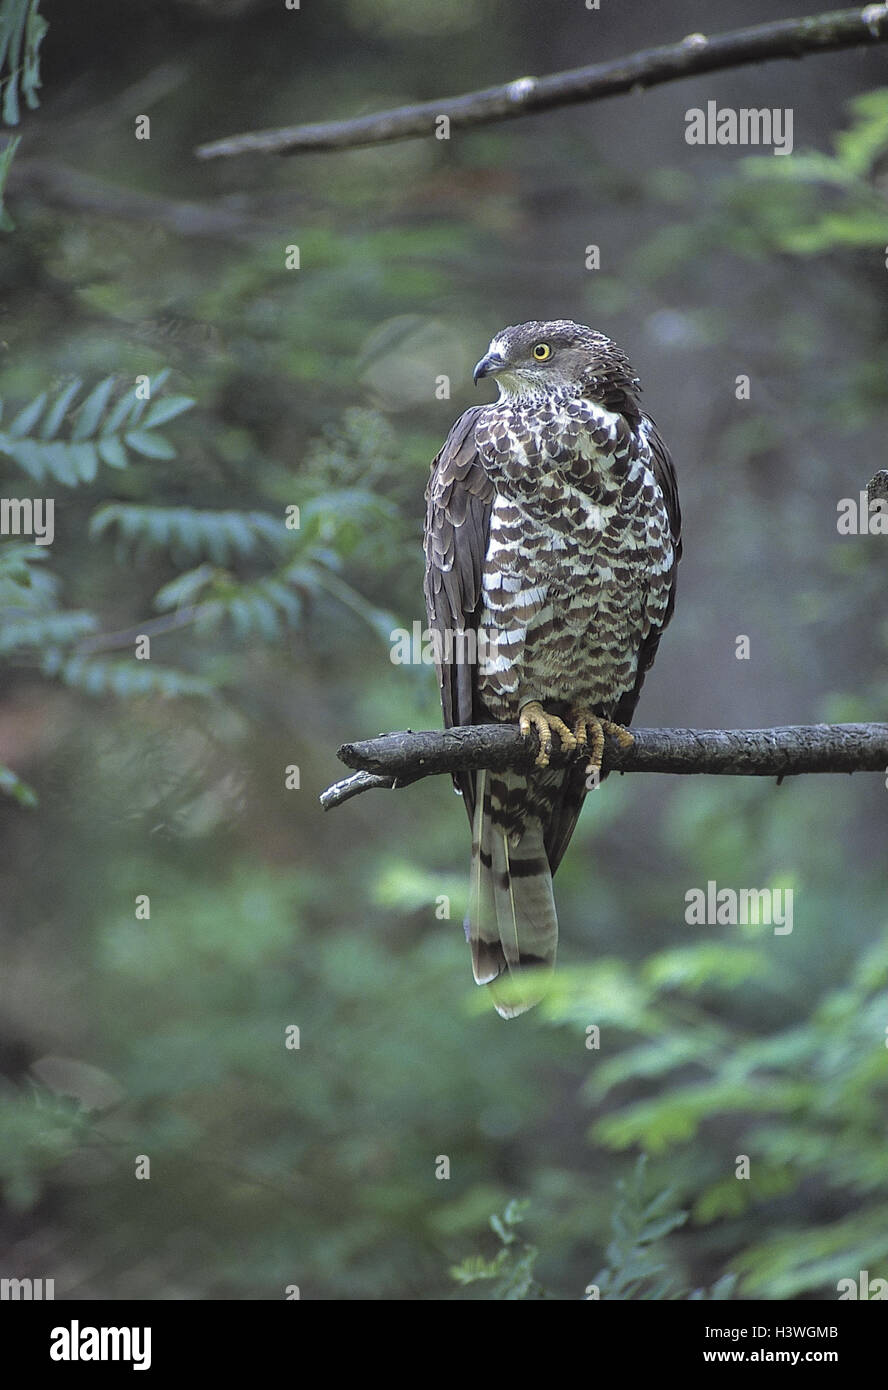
(533, 716)
(589, 731)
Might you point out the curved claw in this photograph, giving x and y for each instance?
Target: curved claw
(533, 716)
(588, 726)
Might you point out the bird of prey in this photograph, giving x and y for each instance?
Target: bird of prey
(552, 537)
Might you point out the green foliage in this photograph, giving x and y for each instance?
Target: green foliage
(637, 1265)
(44, 630)
(99, 676)
(7, 154)
(639, 1221)
(188, 533)
(22, 28)
(795, 215)
(811, 1096)
(510, 1272)
(54, 440)
(21, 585)
(13, 786)
(36, 1136)
(256, 575)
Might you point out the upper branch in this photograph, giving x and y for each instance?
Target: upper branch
(401, 758)
(784, 38)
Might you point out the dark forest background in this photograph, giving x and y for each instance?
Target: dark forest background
(165, 1037)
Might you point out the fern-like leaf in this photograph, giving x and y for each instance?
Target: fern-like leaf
(634, 1267)
(22, 28)
(44, 630)
(24, 588)
(123, 678)
(188, 532)
(51, 439)
(510, 1272)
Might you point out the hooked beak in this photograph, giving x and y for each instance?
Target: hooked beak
(488, 366)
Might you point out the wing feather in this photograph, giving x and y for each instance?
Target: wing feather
(460, 498)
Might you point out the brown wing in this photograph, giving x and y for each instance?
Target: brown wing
(460, 497)
(567, 809)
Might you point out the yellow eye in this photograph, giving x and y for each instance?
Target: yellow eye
(542, 352)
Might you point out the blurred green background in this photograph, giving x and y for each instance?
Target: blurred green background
(121, 1036)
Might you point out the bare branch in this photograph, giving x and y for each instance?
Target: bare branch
(353, 786)
(402, 758)
(696, 54)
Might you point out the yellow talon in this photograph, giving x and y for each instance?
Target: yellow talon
(533, 716)
(589, 728)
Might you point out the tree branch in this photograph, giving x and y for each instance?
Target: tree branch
(696, 54)
(399, 759)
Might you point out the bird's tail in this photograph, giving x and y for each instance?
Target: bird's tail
(511, 923)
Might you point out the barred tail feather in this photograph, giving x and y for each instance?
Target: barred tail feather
(511, 924)
(488, 960)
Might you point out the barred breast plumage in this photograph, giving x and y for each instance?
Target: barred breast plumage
(579, 557)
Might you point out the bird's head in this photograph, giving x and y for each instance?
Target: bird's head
(557, 358)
